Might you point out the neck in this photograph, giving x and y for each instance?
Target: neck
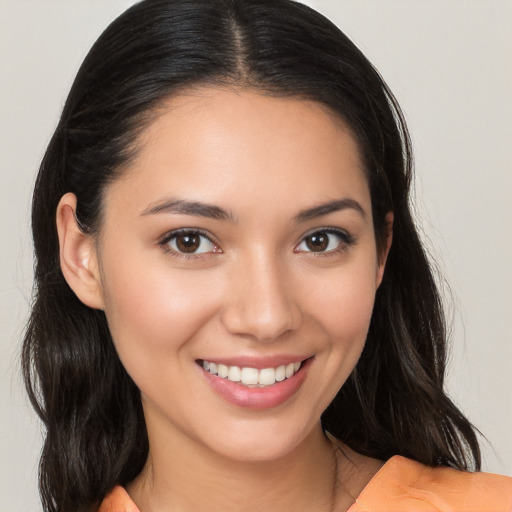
(184, 476)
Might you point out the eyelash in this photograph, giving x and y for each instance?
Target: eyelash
(166, 239)
(346, 240)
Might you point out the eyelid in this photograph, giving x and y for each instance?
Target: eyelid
(346, 240)
(182, 231)
(164, 240)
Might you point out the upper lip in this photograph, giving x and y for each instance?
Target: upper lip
(258, 362)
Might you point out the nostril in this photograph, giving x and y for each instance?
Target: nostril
(263, 328)
(261, 306)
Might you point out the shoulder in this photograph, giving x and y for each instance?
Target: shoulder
(403, 485)
(118, 501)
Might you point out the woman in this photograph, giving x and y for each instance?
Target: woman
(234, 310)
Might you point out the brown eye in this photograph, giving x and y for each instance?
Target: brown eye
(317, 242)
(325, 241)
(190, 242)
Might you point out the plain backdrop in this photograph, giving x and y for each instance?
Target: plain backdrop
(449, 64)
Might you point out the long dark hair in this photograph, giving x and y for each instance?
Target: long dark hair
(393, 402)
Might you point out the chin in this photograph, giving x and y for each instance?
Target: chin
(262, 443)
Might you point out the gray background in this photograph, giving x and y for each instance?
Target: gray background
(448, 63)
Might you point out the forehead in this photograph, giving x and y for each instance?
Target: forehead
(211, 142)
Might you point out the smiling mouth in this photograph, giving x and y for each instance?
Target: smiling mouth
(252, 377)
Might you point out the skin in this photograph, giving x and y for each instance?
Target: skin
(256, 290)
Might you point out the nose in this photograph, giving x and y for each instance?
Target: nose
(262, 301)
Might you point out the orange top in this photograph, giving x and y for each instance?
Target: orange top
(403, 485)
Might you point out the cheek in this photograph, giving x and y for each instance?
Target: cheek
(352, 311)
(343, 309)
(344, 302)
(151, 311)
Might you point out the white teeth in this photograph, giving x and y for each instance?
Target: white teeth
(267, 376)
(249, 376)
(234, 373)
(222, 370)
(252, 376)
(280, 373)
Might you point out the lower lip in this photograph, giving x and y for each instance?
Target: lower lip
(258, 398)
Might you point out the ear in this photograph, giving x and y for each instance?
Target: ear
(383, 256)
(78, 255)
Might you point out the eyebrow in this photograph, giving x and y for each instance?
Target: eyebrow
(329, 207)
(196, 208)
(200, 209)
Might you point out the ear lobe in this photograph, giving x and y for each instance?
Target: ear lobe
(78, 255)
(383, 256)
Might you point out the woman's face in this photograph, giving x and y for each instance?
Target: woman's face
(239, 239)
